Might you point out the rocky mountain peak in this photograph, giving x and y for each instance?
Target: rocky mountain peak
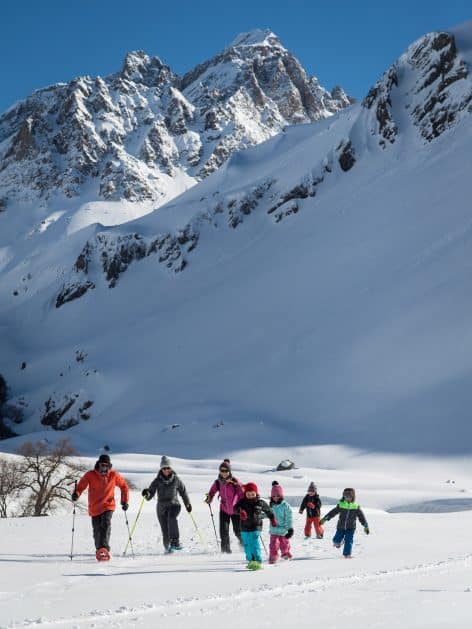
(429, 86)
(256, 37)
(133, 134)
(139, 68)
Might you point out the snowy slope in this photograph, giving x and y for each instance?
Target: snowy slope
(413, 570)
(314, 289)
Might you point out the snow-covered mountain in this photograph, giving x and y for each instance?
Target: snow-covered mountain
(312, 289)
(145, 134)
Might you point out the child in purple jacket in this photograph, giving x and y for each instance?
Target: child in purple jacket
(230, 491)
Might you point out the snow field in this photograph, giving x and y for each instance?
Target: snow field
(413, 570)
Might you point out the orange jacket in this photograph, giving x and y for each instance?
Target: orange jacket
(101, 490)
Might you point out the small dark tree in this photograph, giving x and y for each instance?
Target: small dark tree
(48, 473)
(11, 482)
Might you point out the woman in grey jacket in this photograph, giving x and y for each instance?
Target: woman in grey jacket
(167, 485)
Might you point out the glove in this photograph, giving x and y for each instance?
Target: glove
(300, 511)
(75, 496)
(207, 499)
(242, 514)
(366, 530)
(124, 506)
(146, 494)
(310, 505)
(188, 507)
(273, 522)
(288, 534)
(322, 521)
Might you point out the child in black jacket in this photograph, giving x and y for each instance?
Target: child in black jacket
(312, 503)
(251, 510)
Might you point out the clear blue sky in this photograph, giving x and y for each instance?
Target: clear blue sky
(343, 42)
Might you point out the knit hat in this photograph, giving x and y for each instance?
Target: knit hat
(312, 487)
(349, 493)
(104, 458)
(277, 491)
(250, 487)
(165, 462)
(225, 465)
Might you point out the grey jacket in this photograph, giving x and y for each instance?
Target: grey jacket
(168, 488)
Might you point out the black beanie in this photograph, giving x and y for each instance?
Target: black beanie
(104, 458)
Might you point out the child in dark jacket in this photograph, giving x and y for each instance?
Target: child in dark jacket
(349, 511)
(312, 503)
(251, 509)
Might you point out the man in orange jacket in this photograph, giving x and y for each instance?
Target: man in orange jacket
(101, 483)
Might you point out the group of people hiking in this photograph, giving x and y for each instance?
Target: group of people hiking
(240, 507)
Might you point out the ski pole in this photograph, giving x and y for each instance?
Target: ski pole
(129, 534)
(213, 521)
(73, 526)
(134, 525)
(263, 544)
(198, 531)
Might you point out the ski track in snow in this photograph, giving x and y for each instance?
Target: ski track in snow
(198, 606)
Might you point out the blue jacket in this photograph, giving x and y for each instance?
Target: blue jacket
(283, 515)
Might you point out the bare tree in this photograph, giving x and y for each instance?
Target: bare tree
(48, 474)
(11, 482)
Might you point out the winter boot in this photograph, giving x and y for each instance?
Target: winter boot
(254, 565)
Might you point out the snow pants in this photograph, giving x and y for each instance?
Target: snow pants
(225, 520)
(315, 522)
(279, 542)
(167, 515)
(346, 535)
(252, 545)
(101, 525)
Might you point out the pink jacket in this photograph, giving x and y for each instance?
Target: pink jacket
(230, 492)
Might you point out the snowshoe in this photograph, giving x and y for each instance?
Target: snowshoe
(319, 537)
(287, 557)
(103, 554)
(175, 546)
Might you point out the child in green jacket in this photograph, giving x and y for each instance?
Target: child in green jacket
(349, 511)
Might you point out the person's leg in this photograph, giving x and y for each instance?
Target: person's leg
(224, 532)
(96, 531)
(246, 539)
(162, 517)
(285, 547)
(236, 526)
(307, 530)
(106, 529)
(256, 545)
(318, 528)
(348, 541)
(273, 548)
(174, 534)
(338, 538)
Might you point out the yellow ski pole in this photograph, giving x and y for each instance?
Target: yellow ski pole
(198, 531)
(130, 534)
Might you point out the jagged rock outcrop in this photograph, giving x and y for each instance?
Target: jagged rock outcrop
(126, 136)
(429, 86)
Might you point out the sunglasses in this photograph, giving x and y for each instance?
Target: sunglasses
(223, 471)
